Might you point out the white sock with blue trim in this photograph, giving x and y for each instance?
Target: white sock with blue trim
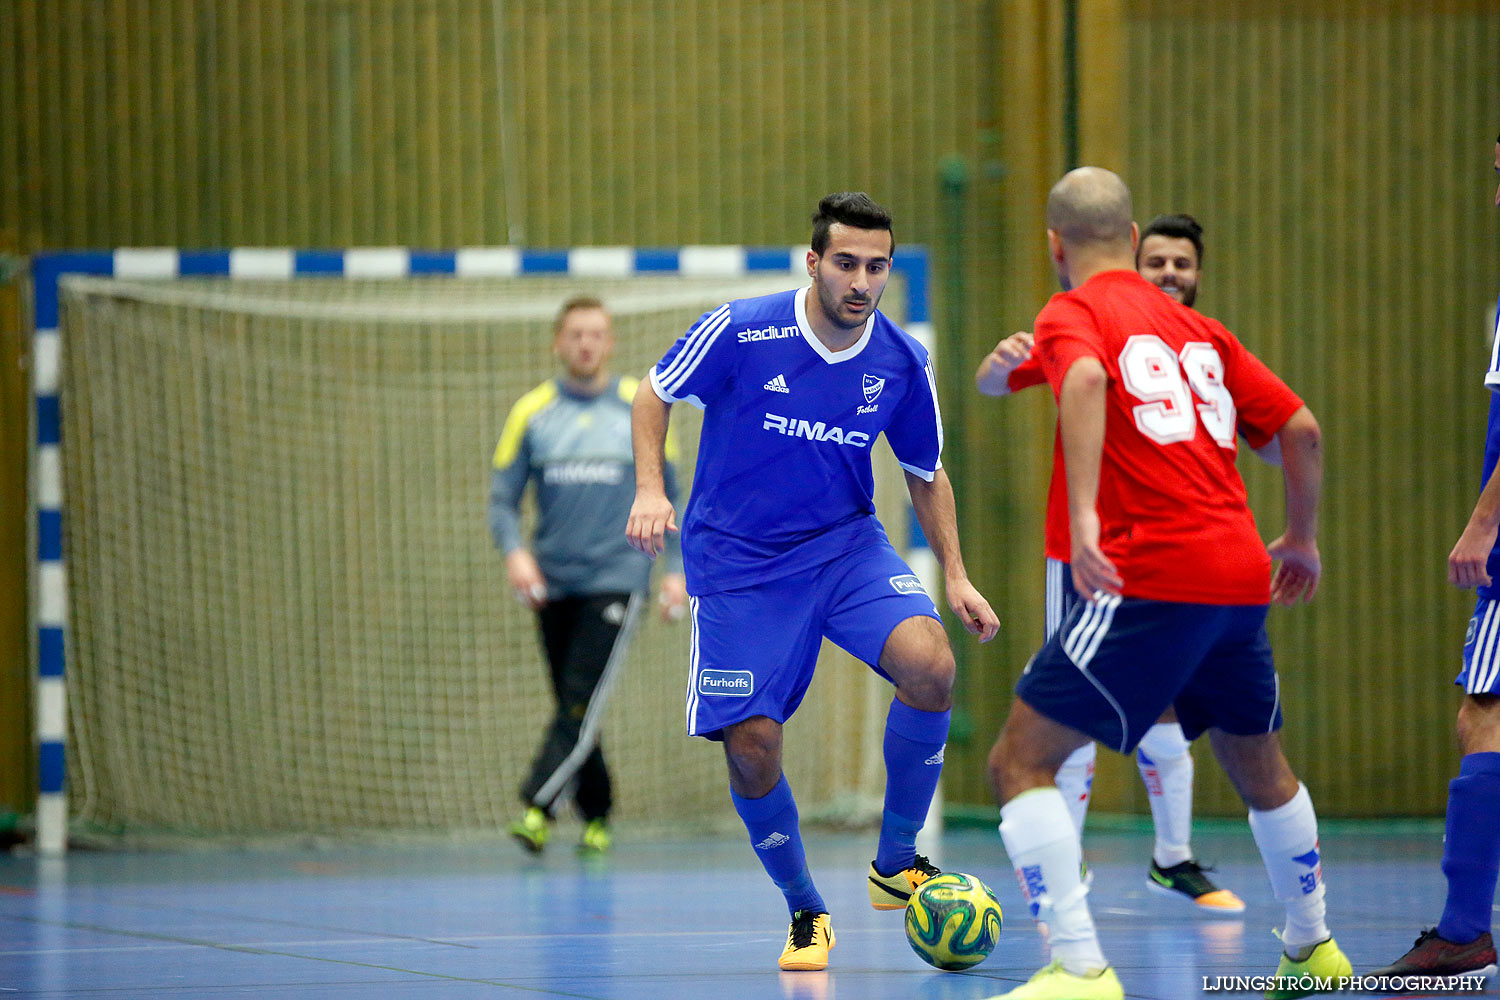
(1288, 840)
(1043, 848)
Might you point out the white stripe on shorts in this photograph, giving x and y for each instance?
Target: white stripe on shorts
(1056, 595)
(1083, 641)
(1483, 664)
(1276, 704)
(692, 690)
(1108, 604)
(1082, 629)
(1481, 637)
(1490, 663)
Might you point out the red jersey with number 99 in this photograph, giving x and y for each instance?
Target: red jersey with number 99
(1173, 513)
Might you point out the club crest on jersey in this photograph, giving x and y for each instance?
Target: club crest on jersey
(872, 387)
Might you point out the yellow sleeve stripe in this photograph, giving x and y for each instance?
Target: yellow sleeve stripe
(521, 415)
(628, 385)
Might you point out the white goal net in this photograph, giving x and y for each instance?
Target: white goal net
(286, 613)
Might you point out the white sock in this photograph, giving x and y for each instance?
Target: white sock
(1043, 846)
(1075, 779)
(1288, 840)
(1166, 766)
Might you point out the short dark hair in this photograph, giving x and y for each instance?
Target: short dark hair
(572, 305)
(851, 208)
(1176, 226)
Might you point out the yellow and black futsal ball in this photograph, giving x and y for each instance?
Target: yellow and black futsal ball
(953, 921)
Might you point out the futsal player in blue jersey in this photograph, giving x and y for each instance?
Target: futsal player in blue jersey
(781, 545)
(1462, 941)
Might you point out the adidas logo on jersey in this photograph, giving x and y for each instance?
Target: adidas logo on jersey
(775, 840)
(777, 384)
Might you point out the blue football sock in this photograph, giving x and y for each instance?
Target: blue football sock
(913, 763)
(1471, 851)
(772, 822)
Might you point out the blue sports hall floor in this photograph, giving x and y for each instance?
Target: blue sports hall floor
(692, 918)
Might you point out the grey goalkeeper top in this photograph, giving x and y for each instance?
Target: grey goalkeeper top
(577, 449)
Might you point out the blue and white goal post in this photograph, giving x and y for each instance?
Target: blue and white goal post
(49, 588)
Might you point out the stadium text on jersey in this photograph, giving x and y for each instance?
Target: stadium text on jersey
(769, 333)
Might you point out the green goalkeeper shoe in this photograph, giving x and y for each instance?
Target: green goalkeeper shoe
(596, 838)
(532, 830)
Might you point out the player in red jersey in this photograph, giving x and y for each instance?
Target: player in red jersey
(1174, 578)
(1170, 256)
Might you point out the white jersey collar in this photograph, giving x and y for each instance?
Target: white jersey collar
(832, 357)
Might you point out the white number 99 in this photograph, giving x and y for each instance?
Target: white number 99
(1165, 383)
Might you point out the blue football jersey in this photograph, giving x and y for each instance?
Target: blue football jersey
(1492, 452)
(783, 480)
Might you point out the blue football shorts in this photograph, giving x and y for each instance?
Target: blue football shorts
(1481, 671)
(754, 648)
(1114, 665)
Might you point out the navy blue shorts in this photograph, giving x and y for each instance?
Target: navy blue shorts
(754, 648)
(1116, 664)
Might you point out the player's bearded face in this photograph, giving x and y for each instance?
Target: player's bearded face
(851, 274)
(584, 342)
(1171, 264)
